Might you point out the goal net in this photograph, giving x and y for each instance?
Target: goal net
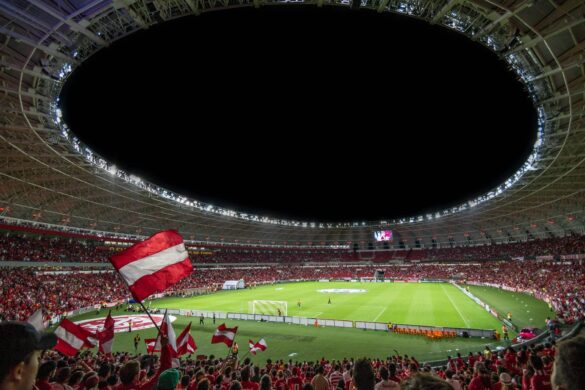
(273, 308)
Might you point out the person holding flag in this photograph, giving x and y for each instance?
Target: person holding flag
(130, 372)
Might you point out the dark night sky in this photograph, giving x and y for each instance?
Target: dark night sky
(305, 113)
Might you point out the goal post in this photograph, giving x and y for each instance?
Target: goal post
(273, 308)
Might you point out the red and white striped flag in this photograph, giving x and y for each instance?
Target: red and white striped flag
(166, 329)
(224, 335)
(151, 345)
(259, 346)
(153, 265)
(185, 342)
(71, 338)
(106, 335)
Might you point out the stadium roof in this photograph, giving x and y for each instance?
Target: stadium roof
(49, 177)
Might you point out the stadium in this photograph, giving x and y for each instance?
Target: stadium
(498, 279)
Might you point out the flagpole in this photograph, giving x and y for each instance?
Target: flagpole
(142, 305)
(228, 354)
(149, 316)
(247, 353)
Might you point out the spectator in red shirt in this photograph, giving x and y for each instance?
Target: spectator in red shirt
(295, 382)
(504, 383)
(130, 372)
(481, 379)
(46, 371)
(540, 380)
(246, 383)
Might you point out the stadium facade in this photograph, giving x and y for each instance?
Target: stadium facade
(49, 178)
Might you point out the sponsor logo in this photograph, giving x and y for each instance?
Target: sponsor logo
(342, 290)
(122, 323)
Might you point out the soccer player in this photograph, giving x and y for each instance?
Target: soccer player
(505, 332)
(510, 316)
(329, 302)
(299, 304)
(201, 320)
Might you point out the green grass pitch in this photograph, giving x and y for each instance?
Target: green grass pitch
(437, 304)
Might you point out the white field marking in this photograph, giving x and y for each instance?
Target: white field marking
(379, 314)
(312, 314)
(456, 308)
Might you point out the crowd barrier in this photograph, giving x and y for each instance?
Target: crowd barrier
(485, 306)
(428, 331)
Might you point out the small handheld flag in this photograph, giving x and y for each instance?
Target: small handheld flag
(259, 346)
(224, 335)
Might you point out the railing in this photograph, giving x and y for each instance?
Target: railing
(311, 321)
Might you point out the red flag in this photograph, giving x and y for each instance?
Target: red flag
(106, 336)
(166, 329)
(224, 335)
(185, 342)
(151, 345)
(259, 346)
(71, 338)
(153, 265)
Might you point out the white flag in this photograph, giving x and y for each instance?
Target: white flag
(36, 320)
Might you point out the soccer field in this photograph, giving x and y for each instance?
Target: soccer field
(438, 304)
(415, 303)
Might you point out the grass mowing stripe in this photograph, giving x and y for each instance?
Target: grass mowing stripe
(456, 308)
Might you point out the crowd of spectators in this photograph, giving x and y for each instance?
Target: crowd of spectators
(23, 291)
(539, 367)
(562, 284)
(21, 247)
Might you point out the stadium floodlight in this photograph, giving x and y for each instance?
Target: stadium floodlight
(273, 308)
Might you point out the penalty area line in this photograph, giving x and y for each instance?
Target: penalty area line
(456, 308)
(379, 314)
